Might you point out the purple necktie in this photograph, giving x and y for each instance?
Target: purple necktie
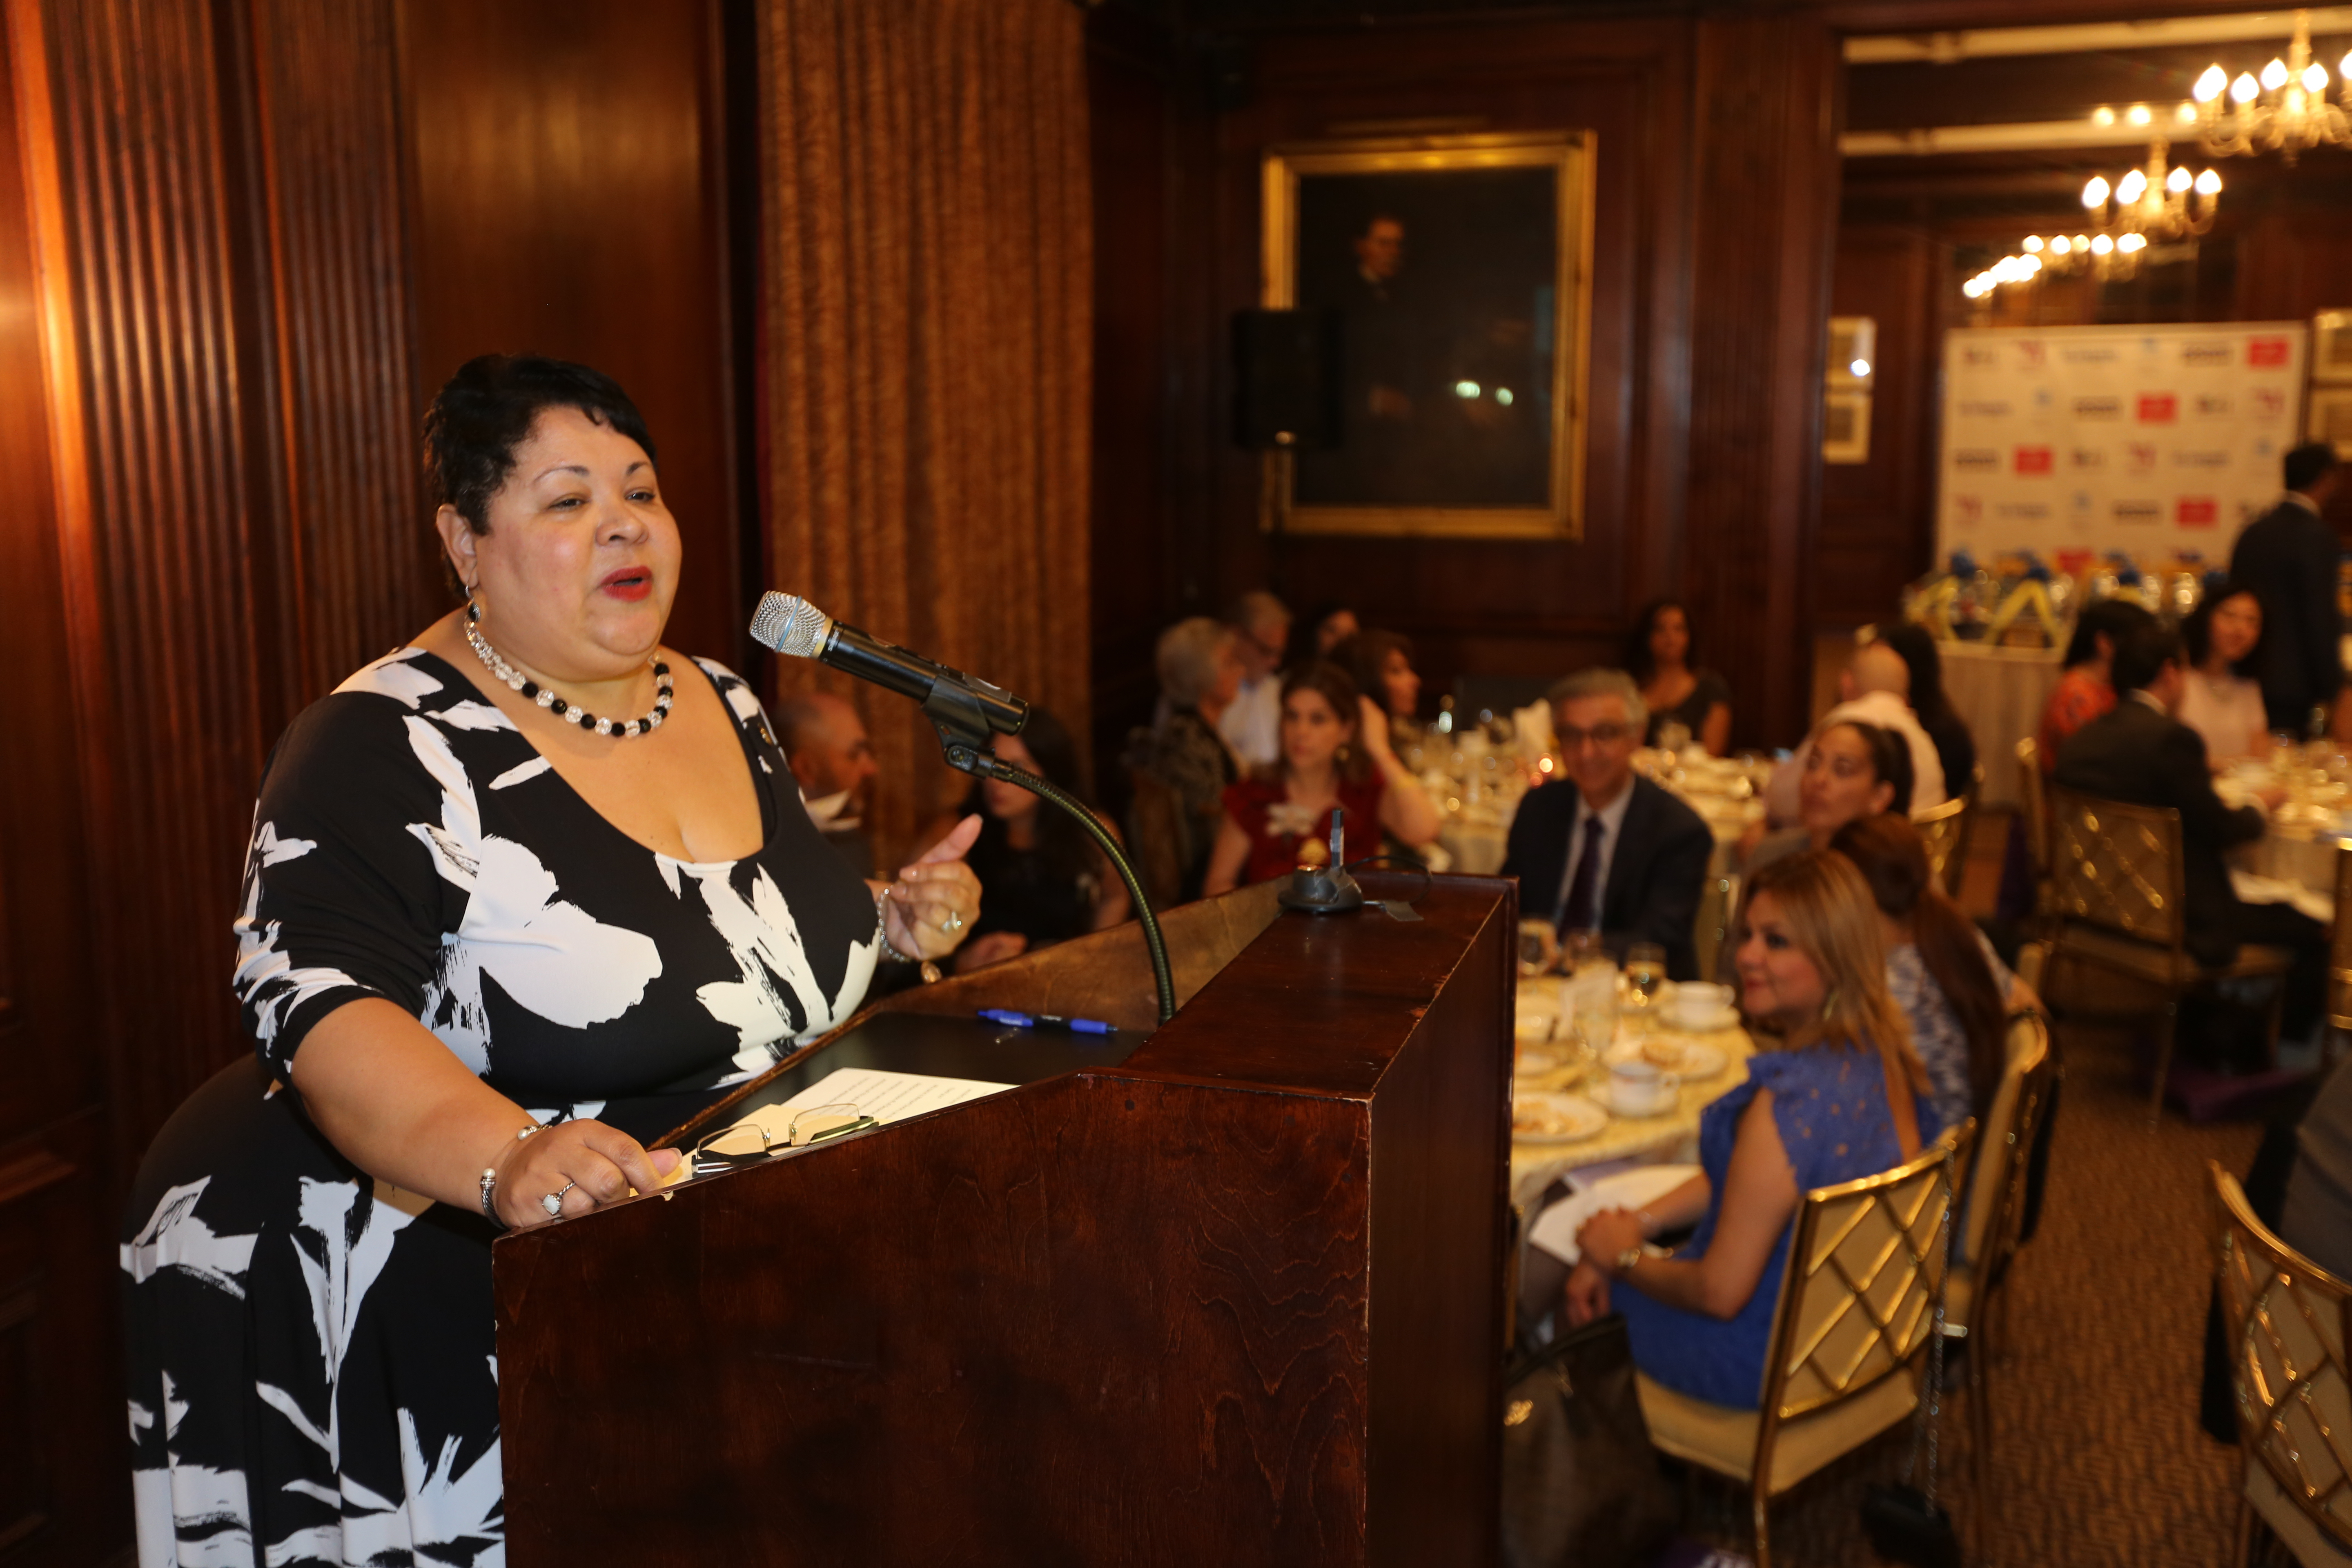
(1577, 913)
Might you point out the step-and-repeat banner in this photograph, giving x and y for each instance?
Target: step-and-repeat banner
(2150, 440)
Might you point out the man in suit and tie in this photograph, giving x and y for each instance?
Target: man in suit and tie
(1603, 850)
(2142, 755)
(2287, 556)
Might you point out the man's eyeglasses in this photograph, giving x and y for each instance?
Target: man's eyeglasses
(1571, 738)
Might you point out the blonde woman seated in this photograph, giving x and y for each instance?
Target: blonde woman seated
(1836, 1095)
(1335, 756)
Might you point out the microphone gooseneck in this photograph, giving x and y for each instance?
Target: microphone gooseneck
(968, 712)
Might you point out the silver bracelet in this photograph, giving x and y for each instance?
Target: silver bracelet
(490, 1182)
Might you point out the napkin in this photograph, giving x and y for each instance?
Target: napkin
(1531, 726)
(1555, 1229)
(2253, 889)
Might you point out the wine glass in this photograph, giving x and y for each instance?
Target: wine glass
(1646, 968)
(1538, 949)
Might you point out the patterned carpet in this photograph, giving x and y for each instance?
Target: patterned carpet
(2097, 1458)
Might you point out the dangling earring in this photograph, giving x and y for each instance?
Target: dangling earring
(1828, 1004)
(1342, 754)
(473, 603)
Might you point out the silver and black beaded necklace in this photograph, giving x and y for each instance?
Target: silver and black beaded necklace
(569, 712)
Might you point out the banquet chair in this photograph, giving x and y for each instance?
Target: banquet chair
(1946, 830)
(2035, 809)
(1857, 1304)
(2339, 945)
(2117, 905)
(2284, 1319)
(1994, 1211)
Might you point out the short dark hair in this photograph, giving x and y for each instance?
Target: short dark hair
(2308, 463)
(1638, 662)
(2141, 656)
(1917, 648)
(1890, 760)
(2116, 619)
(487, 410)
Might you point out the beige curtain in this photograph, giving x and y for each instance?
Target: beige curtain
(927, 374)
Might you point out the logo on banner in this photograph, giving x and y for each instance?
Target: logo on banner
(2195, 458)
(2198, 512)
(1984, 408)
(2034, 460)
(2270, 402)
(2022, 511)
(2087, 354)
(2266, 352)
(2098, 408)
(1980, 357)
(1976, 460)
(1969, 508)
(2087, 458)
(2032, 354)
(2206, 351)
(2137, 512)
(2213, 405)
(2158, 407)
(2142, 454)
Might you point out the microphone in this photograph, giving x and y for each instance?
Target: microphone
(791, 625)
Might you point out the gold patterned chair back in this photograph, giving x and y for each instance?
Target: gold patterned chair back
(2036, 809)
(1946, 830)
(2339, 946)
(2284, 1320)
(1996, 1205)
(2116, 867)
(1864, 1270)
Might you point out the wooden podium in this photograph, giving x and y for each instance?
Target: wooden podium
(1229, 1290)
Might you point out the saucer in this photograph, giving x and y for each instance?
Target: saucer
(1705, 1023)
(1607, 1095)
(1540, 1117)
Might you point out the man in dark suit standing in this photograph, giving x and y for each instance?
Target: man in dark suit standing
(1602, 849)
(2142, 755)
(2287, 556)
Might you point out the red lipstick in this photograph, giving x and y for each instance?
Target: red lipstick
(630, 583)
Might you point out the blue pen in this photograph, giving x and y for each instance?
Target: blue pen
(1012, 1020)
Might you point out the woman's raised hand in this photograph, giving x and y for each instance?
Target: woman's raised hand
(934, 901)
(582, 1164)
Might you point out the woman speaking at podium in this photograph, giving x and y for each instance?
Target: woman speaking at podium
(519, 895)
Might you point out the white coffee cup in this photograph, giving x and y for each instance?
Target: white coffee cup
(1696, 1003)
(1640, 1088)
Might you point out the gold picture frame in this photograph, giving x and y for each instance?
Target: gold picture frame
(1505, 222)
(2329, 419)
(2331, 347)
(1845, 424)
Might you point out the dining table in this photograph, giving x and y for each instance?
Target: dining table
(1669, 1135)
(2305, 833)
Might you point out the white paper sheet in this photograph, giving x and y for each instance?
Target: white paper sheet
(885, 1096)
(1555, 1229)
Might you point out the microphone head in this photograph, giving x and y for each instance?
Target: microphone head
(791, 625)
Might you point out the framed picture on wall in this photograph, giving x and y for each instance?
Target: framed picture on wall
(2330, 419)
(1458, 272)
(1853, 350)
(1845, 425)
(2331, 346)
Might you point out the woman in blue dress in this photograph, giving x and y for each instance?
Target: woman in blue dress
(1841, 1095)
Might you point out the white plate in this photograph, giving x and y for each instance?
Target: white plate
(1674, 1102)
(1535, 1028)
(1691, 1058)
(1537, 1117)
(1535, 1064)
(1704, 1023)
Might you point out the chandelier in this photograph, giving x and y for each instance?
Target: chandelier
(2143, 205)
(2284, 111)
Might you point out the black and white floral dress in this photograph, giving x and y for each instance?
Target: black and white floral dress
(312, 1369)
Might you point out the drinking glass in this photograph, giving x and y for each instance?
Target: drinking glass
(1581, 947)
(1538, 949)
(1646, 968)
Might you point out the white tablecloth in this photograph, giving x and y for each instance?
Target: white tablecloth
(2000, 693)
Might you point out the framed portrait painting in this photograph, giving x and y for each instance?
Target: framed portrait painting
(1457, 272)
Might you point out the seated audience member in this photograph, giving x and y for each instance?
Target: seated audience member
(1955, 993)
(1314, 635)
(1198, 677)
(1956, 748)
(2143, 755)
(2220, 698)
(1834, 1094)
(2085, 691)
(1662, 656)
(1335, 756)
(825, 743)
(2316, 1219)
(1851, 770)
(1876, 690)
(1250, 723)
(1381, 664)
(1603, 847)
(1044, 881)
